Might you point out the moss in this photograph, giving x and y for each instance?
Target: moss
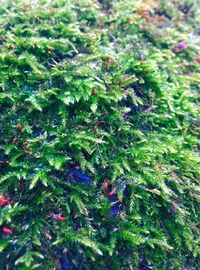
(101, 93)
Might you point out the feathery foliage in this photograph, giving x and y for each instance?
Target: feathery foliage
(94, 92)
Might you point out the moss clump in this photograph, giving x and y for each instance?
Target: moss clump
(99, 135)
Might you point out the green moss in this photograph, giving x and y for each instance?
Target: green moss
(102, 95)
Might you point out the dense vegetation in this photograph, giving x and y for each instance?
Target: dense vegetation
(99, 135)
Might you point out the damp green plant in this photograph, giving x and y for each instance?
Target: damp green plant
(99, 132)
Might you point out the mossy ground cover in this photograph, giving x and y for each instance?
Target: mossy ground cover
(99, 135)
